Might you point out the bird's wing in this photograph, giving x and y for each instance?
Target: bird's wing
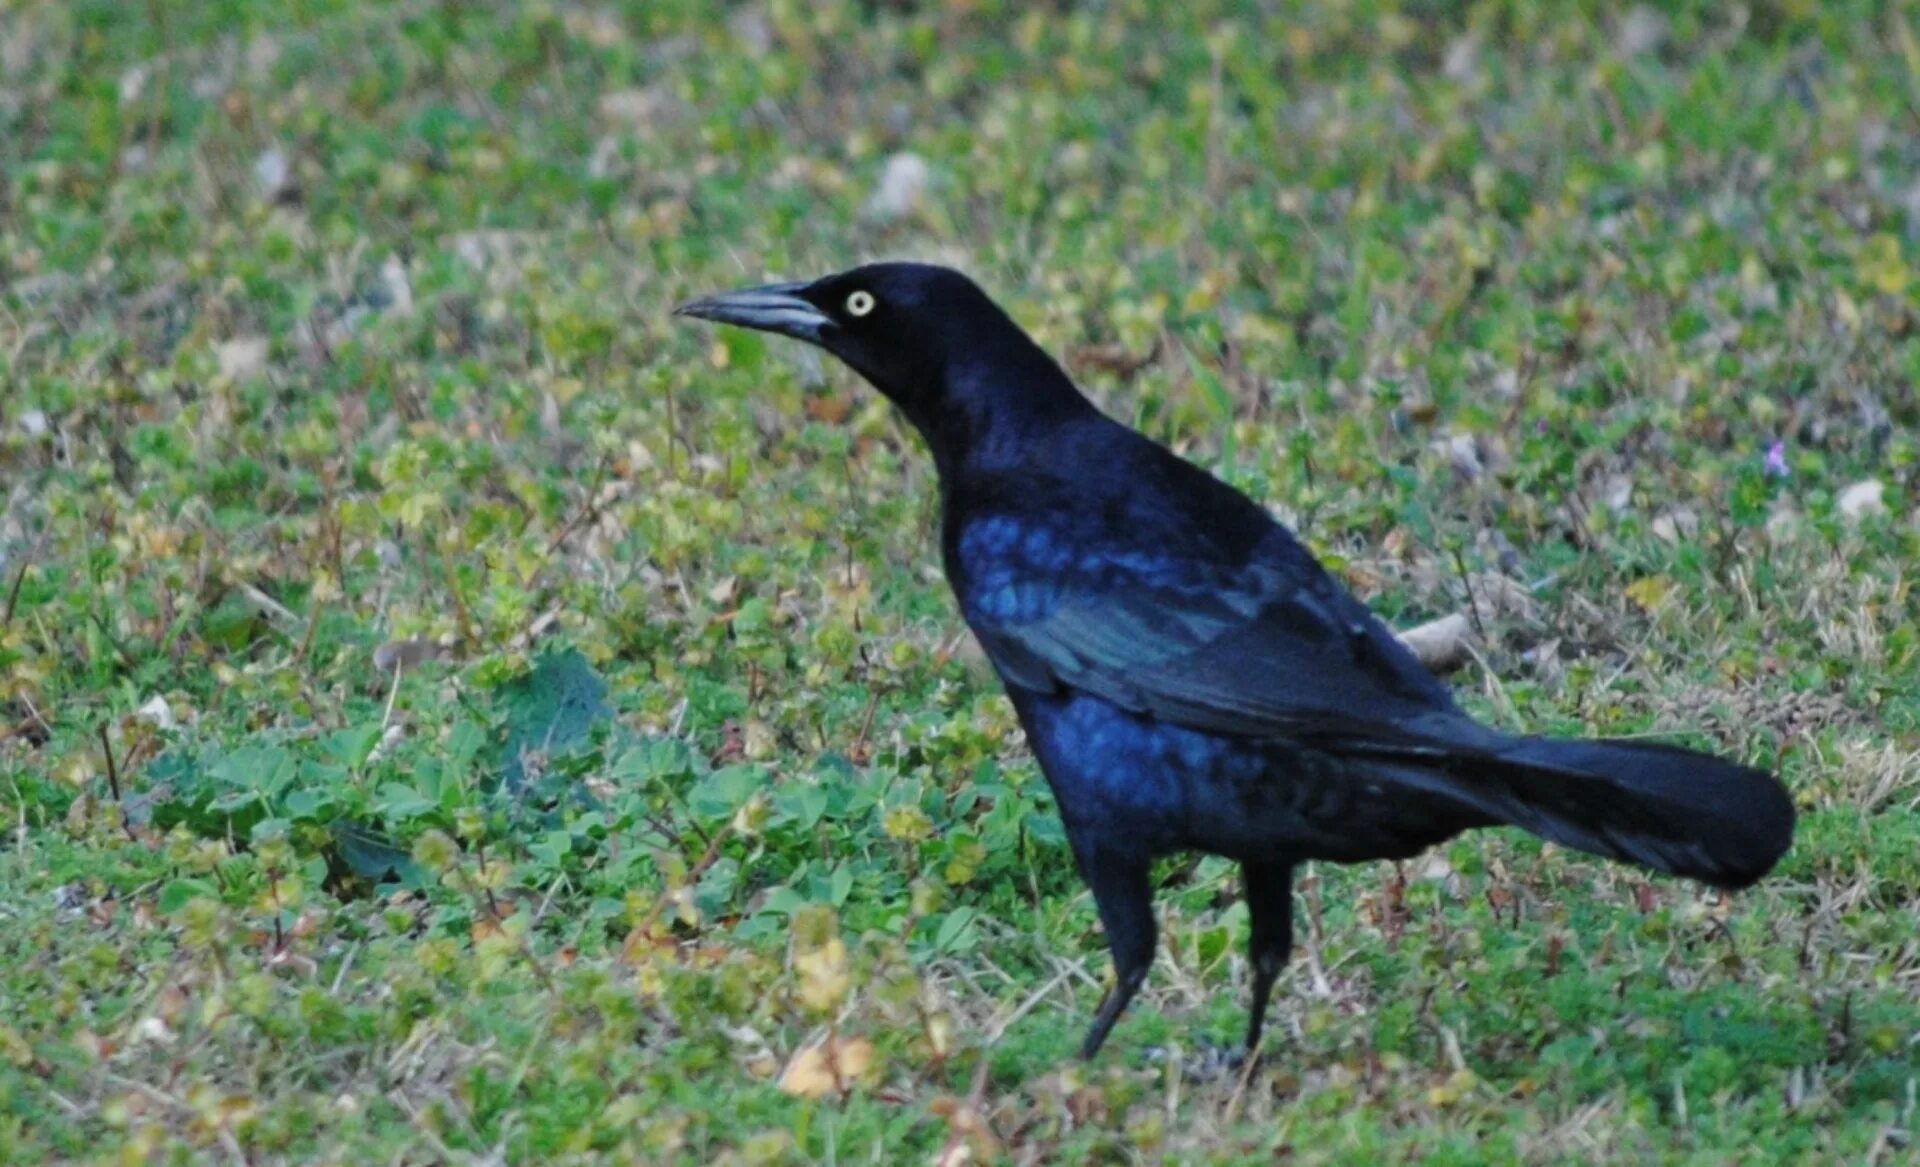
(1272, 648)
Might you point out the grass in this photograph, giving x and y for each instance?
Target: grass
(451, 711)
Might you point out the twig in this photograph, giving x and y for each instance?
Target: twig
(1247, 1067)
(1473, 604)
(34, 712)
(461, 613)
(499, 918)
(19, 578)
(113, 782)
(480, 856)
(866, 722)
(421, 1125)
(546, 900)
(1027, 1006)
(340, 974)
(313, 626)
(154, 1093)
(273, 889)
(393, 691)
(974, 1111)
(267, 605)
(587, 512)
(693, 874)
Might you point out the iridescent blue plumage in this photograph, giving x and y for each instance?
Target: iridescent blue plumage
(1189, 677)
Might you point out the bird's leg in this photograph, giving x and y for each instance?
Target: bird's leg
(1269, 889)
(1122, 892)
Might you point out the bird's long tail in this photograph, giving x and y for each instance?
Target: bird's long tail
(1674, 810)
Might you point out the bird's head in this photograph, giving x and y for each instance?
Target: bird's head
(927, 337)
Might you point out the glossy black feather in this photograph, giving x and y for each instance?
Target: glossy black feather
(1188, 675)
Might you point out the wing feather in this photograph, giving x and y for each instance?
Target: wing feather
(1271, 649)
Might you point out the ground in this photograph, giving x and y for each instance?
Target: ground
(451, 710)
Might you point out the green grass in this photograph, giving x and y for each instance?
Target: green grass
(423, 388)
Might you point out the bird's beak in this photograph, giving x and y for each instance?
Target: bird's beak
(771, 308)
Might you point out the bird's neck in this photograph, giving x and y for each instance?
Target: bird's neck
(998, 410)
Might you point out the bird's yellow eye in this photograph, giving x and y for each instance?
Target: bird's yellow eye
(860, 303)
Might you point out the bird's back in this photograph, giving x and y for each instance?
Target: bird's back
(1097, 514)
(1101, 487)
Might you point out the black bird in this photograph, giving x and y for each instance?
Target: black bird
(1190, 678)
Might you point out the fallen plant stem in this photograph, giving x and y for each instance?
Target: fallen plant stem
(693, 874)
(19, 580)
(113, 781)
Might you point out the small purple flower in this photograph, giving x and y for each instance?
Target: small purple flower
(1777, 460)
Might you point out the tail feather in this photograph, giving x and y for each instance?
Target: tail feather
(1671, 809)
